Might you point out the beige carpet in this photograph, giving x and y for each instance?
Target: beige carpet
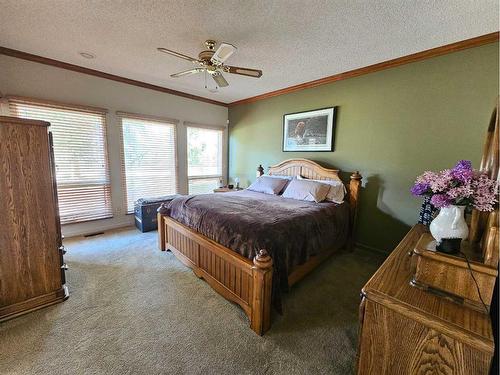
(136, 310)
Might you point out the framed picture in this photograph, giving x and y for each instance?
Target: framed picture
(309, 131)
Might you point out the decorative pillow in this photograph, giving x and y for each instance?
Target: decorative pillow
(306, 190)
(287, 178)
(269, 185)
(337, 190)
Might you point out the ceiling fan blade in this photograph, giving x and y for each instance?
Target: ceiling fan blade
(177, 54)
(220, 80)
(187, 72)
(222, 54)
(243, 71)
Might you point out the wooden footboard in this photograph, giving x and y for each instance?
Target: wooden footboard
(246, 282)
(233, 276)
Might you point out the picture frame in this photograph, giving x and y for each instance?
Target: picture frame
(309, 131)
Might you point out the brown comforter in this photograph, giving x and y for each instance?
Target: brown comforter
(290, 230)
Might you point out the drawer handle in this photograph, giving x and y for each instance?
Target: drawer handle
(62, 249)
(64, 267)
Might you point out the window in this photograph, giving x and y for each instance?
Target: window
(80, 153)
(149, 162)
(204, 148)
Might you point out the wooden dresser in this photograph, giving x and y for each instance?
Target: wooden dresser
(31, 251)
(405, 330)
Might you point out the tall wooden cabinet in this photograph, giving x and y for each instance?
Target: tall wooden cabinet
(31, 251)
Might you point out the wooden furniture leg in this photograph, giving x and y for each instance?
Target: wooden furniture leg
(262, 271)
(162, 233)
(354, 192)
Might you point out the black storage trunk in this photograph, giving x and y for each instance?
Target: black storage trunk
(145, 212)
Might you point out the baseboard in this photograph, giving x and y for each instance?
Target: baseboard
(33, 304)
(81, 229)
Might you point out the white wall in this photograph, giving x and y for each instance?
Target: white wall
(25, 78)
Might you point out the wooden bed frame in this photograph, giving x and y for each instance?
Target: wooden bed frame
(241, 280)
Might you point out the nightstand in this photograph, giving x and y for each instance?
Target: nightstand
(226, 190)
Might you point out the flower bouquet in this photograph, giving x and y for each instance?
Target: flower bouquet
(452, 190)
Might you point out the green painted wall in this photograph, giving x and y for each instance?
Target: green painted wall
(391, 126)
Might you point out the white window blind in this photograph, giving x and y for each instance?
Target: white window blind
(80, 153)
(149, 162)
(205, 148)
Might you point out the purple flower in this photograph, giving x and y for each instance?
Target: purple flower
(440, 200)
(461, 185)
(463, 164)
(427, 177)
(485, 192)
(420, 188)
(463, 171)
(442, 181)
(460, 192)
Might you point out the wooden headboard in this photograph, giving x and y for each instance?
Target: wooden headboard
(304, 167)
(312, 170)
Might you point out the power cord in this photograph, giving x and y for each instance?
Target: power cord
(475, 282)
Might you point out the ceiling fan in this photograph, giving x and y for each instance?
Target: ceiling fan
(212, 61)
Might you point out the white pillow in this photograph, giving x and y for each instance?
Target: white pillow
(268, 185)
(288, 178)
(306, 190)
(337, 190)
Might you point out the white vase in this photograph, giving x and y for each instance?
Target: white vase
(449, 223)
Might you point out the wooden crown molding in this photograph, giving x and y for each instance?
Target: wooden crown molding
(433, 52)
(438, 51)
(97, 73)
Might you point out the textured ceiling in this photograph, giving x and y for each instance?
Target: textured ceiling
(291, 41)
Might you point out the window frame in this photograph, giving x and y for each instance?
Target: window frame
(149, 118)
(224, 149)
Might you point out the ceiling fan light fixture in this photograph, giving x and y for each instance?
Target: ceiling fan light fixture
(220, 80)
(213, 90)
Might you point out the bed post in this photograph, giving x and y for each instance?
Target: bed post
(354, 190)
(261, 292)
(161, 232)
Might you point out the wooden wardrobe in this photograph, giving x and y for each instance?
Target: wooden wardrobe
(31, 251)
